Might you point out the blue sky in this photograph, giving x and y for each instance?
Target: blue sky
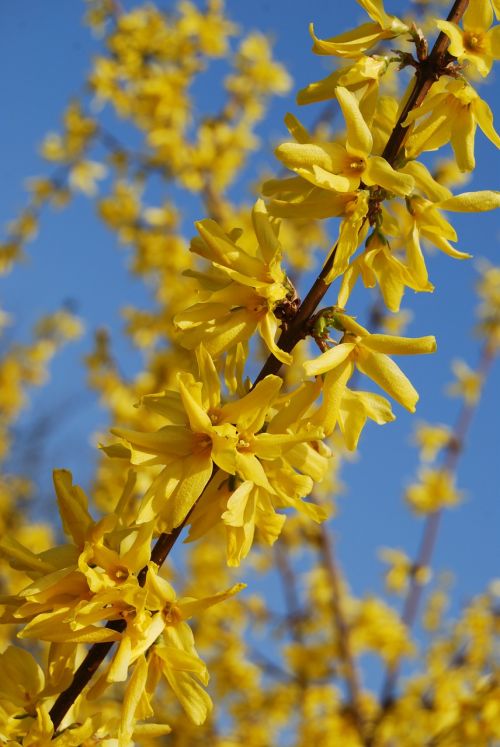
(44, 56)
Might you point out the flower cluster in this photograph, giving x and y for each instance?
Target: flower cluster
(200, 440)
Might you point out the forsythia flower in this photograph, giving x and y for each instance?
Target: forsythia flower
(431, 439)
(84, 175)
(358, 348)
(477, 42)
(337, 168)
(451, 112)
(378, 628)
(401, 570)
(77, 587)
(424, 219)
(362, 78)
(353, 43)
(242, 289)
(468, 385)
(378, 265)
(202, 432)
(434, 491)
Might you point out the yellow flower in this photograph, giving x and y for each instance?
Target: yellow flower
(336, 168)
(468, 385)
(451, 112)
(353, 43)
(434, 491)
(378, 265)
(361, 77)
(377, 627)
(424, 219)
(202, 431)
(431, 439)
(369, 353)
(488, 290)
(21, 679)
(401, 570)
(476, 42)
(84, 175)
(243, 289)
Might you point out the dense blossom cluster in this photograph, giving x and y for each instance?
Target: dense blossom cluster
(199, 440)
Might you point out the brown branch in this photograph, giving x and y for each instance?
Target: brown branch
(342, 630)
(427, 72)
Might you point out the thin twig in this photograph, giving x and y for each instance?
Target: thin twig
(342, 630)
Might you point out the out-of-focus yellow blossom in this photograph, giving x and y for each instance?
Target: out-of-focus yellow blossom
(434, 491)
(454, 110)
(370, 354)
(447, 173)
(84, 176)
(468, 384)
(396, 324)
(353, 43)
(401, 571)
(376, 627)
(48, 190)
(78, 132)
(241, 289)
(476, 43)
(121, 209)
(435, 608)
(430, 439)
(211, 28)
(256, 71)
(24, 227)
(488, 289)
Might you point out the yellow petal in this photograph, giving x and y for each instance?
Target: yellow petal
(250, 411)
(387, 374)
(484, 118)
(296, 129)
(359, 137)
(197, 472)
(131, 699)
(334, 388)
(350, 44)
(329, 360)
(454, 33)
(190, 607)
(471, 202)
(425, 182)
(462, 139)
(478, 16)
(209, 376)
(190, 392)
(268, 326)
(379, 171)
(393, 345)
(72, 503)
(265, 232)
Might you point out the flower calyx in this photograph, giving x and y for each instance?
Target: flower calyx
(321, 323)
